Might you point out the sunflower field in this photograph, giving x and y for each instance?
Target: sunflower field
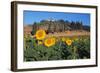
(41, 48)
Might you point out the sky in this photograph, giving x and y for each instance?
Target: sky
(36, 16)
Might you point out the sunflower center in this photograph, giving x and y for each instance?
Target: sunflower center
(49, 41)
(69, 42)
(40, 34)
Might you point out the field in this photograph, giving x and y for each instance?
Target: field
(66, 45)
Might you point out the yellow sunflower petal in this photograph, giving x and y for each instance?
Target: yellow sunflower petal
(40, 42)
(63, 39)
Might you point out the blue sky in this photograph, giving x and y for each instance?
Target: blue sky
(36, 16)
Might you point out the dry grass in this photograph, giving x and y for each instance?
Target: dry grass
(69, 34)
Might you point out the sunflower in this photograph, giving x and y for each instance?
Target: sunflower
(49, 42)
(68, 42)
(40, 34)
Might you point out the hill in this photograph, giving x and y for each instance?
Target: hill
(51, 26)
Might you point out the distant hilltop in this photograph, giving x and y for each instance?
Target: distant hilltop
(59, 25)
(51, 26)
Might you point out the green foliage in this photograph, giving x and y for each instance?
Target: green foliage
(33, 32)
(40, 23)
(79, 49)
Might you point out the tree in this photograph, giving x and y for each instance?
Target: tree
(34, 28)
